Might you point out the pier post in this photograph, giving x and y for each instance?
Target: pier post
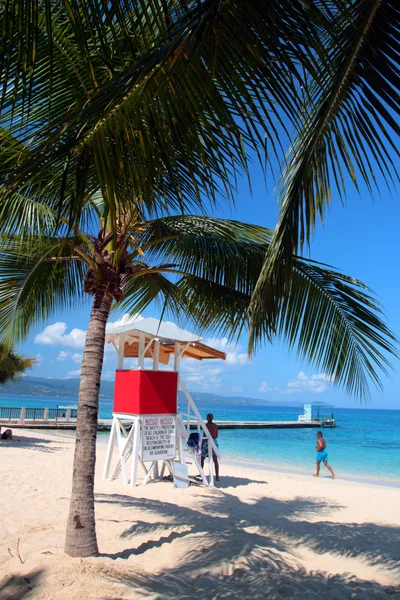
(22, 414)
(68, 414)
(46, 414)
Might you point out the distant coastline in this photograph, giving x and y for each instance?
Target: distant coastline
(39, 386)
(68, 388)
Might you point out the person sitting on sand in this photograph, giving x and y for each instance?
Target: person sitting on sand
(213, 429)
(6, 435)
(322, 455)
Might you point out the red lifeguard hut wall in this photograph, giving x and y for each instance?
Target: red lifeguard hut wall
(142, 392)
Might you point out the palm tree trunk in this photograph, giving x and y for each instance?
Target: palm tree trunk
(81, 527)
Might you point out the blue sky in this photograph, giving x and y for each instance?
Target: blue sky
(360, 239)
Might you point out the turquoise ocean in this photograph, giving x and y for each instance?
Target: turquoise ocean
(365, 445)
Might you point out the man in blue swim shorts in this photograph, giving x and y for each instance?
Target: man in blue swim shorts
(322, 455)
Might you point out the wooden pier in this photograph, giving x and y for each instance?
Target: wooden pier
(266, 424)
(105, 424)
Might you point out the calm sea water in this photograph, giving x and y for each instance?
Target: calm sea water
(366, 442)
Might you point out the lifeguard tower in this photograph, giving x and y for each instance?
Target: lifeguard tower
(148, 427)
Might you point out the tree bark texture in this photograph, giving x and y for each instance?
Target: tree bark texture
(81, 537)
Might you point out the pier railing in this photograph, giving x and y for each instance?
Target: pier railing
(8, 413)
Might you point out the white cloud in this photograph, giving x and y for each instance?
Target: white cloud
(201, 376)
(54, 335)
(317, 383)
(237, 358)
(76, 356)
(324, 377)
(38, 360)
(203, 382)
(222, 344)
(73, 374)
(234, 356)
(264, 387)
(237, 388)
(206, 375)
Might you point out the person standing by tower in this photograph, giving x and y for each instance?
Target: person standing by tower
(213, 429)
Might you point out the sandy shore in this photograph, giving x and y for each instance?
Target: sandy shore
(261, 533)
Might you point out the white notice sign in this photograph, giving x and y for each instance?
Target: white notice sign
(158, 437)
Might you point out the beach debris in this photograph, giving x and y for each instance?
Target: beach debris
(47, 552)
(18, 553)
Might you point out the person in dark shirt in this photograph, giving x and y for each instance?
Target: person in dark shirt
(213, 429)
(7, 435)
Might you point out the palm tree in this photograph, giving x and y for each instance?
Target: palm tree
(12, 365)
(153, 104)
(156, 104)
(200, 268)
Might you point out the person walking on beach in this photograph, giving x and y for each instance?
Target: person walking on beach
(322, 455)
(213, 429)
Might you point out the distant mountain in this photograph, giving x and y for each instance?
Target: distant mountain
(68, 388)
(209, 397)
(39, 386)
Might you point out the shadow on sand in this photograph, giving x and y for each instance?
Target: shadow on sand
(238, 548)
(14, 588)
(231, 481)
(33, 443)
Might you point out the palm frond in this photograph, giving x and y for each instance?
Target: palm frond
(164, 97)
(215, 308)
(224, 252)
(351, 130)
(201, 225)
(33, 286)
(12, 365)
(152, 289)
(334, 323)
(19, 213)
(332, 319)
(25, 215)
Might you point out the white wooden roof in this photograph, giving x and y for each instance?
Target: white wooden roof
(151, 327)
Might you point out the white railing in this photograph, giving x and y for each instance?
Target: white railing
(212, 447)
(37, 414)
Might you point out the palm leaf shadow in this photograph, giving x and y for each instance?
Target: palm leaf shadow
(235, 546)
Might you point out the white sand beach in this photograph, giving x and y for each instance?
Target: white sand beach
(260, 534)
